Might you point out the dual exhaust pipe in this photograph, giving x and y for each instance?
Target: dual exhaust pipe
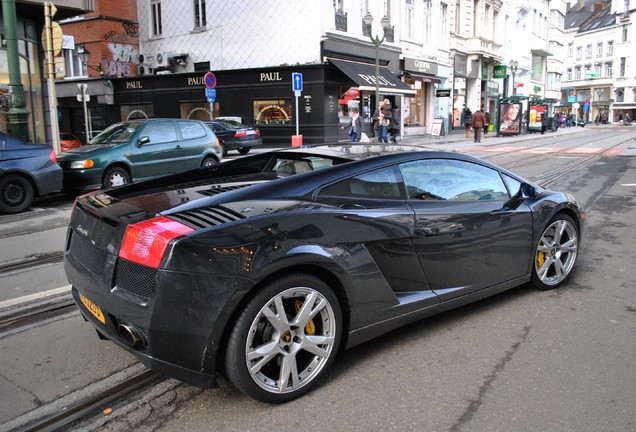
(131, 335)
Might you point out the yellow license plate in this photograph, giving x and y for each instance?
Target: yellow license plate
(94, 309)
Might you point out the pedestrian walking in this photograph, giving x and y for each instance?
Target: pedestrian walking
(395, 124)
(478, 123)
(487, 124)
(468, 121)
(354, 128)
(544, 121)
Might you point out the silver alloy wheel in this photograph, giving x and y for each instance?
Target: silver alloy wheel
(290, 340)
(556, 252)
(117, 179)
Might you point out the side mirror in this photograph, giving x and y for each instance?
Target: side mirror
(143, 140)
(526, 191)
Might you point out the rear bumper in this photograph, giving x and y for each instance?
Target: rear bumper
(249, 142)
(49, 180)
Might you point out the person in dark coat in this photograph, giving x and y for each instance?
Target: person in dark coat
(395, 124)
(479, 119)
(468, 121)
(544, 122)
(487, 124)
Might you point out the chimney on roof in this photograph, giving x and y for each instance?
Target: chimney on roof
(580, 5)
(597, 6)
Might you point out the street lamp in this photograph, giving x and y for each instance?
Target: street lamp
(368, 20)
(84, 55)
(513, 67)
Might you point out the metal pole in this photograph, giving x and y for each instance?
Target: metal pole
(377, 84)
(50, 61)
(297, 120)
(88, 138)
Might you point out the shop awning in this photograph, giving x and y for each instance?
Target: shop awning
(425, 77)
(363, 74)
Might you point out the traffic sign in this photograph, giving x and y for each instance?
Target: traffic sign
(210, 80)
(297, 81)
(210, 94)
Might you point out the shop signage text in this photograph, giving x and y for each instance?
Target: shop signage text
(133, 85)
(271, 76)
(442, 93)
(371, 80)
(421, 66)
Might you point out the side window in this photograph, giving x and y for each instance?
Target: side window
(160, 132)
(380, 184)
(191, 130)
(451, 180)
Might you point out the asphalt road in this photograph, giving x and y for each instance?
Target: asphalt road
(524, 360)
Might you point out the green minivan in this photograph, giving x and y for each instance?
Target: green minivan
(138, 150)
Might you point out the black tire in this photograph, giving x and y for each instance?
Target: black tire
(555, 253)
(16, 193)
(115, 176)
(244, 150)
(223, 149)
(307, 347)
(208, 161)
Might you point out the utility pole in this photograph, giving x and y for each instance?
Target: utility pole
(18, 115)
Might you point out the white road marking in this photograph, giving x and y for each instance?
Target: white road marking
(33, 297)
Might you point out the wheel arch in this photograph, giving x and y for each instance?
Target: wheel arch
(25, 175)
(325, 274)
(118, 164)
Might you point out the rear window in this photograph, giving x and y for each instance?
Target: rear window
(191, 130)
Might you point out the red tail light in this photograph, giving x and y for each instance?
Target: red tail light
(257, 132)
(53, 157)
(240, 134)
(145, 242)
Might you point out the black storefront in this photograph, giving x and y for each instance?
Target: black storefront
(263, 97)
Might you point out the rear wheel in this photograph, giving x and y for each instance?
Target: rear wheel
(16, 193)
(556, 252)
(115, 176)
(285, 339)
(244, 150)
(208, 161)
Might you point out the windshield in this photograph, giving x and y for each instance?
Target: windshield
(115, 134)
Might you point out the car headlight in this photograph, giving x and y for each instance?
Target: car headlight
(82, 164)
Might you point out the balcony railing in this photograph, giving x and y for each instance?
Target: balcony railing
(341, 20)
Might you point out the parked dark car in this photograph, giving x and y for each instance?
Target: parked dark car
(69, 141)
(138, 150)
(245, 270)
(234, 135)
(26, 172)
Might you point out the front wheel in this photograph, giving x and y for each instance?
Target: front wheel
(16, 194)
(555, 253)
(208, 161)
(284, 339)
(244, 150)
(115, 176)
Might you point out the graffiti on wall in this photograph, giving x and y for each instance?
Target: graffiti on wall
(123, 57)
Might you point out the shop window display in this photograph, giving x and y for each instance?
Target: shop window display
(273, 111)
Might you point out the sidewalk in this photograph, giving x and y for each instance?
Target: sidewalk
(456, 140)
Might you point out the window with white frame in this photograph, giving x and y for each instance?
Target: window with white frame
(579, 53)
(599, 49)
(570, 49)
(621, 71)
(427, 20)
(199, 14)
(73, 67)
(458, 15)
(610, 48)
(558, 20)
(598, 70)
(569, 74)
(588, 51)
(443, 16)
(625, 33)
(408, 19)
(608, 70)
(155, 18)
(577, 73)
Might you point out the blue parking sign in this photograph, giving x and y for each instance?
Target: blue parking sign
(297, 81)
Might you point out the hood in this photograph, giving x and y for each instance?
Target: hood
(84, 152)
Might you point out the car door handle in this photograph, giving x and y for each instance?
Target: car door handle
(351, 206)
(178, 147)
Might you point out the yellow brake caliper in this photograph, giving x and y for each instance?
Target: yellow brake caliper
(540, 259)
(310, 328)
